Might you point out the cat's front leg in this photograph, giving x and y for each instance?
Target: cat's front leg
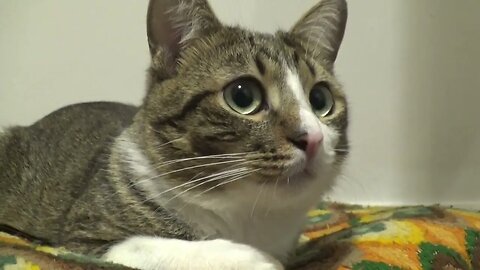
(154, 253)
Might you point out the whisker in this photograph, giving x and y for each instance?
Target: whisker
(150, 127)
(185, 169)
(257, 198)
(224, 174)
(274, 196)
(167, 143)
(228, 182)
(199, 166)
(198, 185)
(192, 181)
(197, 180)
(237, 176)
(275, 187)
(135, 181)
(218, 156)
(222, 156)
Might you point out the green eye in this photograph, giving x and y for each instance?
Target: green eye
(321, 99)
(244, 95)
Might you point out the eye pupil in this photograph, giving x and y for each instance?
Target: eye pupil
(318, 100)
(242, 96)
(321, 99)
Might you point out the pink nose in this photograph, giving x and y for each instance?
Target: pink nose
(308, 142)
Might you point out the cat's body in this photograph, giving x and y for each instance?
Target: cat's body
(239, 135)
(65, 175)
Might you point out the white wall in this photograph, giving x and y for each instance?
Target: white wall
(410, 68)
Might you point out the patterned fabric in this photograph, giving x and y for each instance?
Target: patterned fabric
(19, 254)
(337, 237)
(379, 238)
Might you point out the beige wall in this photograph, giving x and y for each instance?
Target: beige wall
(410, 68)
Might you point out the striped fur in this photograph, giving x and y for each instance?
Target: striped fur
(184, 165)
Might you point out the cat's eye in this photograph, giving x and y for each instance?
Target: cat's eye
(321, 99)
(244, 95)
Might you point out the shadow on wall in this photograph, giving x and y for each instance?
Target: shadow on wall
(441, 115)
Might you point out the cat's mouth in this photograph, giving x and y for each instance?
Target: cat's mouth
(296, 168)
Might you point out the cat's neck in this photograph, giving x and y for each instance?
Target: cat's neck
(273, 230)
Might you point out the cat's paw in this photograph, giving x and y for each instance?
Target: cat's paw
(151, 253)
(224, 254)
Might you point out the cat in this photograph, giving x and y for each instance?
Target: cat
(239, 134)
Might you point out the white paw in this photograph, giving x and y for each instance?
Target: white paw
(223, 254)
(149, 253)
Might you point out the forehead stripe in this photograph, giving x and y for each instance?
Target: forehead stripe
(308, 120)
(188, 106)
(293, 82)
(260, 65)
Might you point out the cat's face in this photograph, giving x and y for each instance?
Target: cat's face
(242, 110)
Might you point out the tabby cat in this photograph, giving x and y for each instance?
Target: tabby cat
(239, 134)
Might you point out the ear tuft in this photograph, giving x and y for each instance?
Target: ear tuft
(321, 30)
(171, 24)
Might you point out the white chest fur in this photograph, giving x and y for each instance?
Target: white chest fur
(251, 214)
(273, 231)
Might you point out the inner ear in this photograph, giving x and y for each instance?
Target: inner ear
(172, 24)
(321, 30)
(160, 31)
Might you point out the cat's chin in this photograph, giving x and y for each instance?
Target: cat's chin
(296, 182)
(299, 182)
(307, 184)
(301, 172)
(299, 187)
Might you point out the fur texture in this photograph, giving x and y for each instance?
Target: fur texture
(185, 165)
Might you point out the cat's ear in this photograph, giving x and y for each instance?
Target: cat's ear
(321, 30)
(171, 24)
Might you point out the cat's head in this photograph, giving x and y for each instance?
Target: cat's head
(230, 110)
